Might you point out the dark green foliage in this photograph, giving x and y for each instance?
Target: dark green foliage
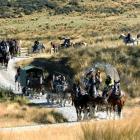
(17, 8)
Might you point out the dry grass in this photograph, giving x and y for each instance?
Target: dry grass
(13, 114)
(125, 129)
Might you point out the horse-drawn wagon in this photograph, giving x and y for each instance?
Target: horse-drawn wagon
(59, 85)
(31, 78)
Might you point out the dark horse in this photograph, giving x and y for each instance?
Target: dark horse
(13, 47)
(83, 103)
(4, 55)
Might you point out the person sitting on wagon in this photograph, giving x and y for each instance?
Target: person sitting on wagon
(108, 86)
(97, 80)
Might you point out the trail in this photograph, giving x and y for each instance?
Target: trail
(7, 76)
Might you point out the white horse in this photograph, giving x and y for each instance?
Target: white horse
(132, 41)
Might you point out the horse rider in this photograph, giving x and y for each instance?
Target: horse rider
(108, 86)
(4, 47)
(66, 42)
(128, 37)
(35, 46)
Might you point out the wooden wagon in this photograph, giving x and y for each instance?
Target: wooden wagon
(31, 77)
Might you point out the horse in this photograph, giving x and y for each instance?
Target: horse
(84, 103)
(4, 56)
(116, 100)
(38, 48)
(13, 47)
(61, 90)
(131, 41)
(54, 47)
(81, 105)
(48, 85)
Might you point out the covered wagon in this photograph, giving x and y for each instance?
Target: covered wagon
(31, 76)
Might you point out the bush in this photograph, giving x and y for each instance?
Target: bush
(45, 117)
(6, 94)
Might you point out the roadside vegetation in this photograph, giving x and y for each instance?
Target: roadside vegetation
(125, 129)
(16, 110)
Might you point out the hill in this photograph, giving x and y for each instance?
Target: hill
(18, 8)
(98, 26)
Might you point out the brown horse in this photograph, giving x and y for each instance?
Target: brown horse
(116, 103)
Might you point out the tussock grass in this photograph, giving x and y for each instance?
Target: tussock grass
(15, 114)
(125, 129)
(114, 130)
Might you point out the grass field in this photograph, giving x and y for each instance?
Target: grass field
(98, 23)
(125, 129)
(99, 30)
(14, 114)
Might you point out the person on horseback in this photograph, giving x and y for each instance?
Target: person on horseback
(128, 37)
(66, 43)
(35, 46)
(4, 47)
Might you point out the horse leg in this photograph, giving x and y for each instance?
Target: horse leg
(115, 110)
(15, 85)
(109, 110)
(64, 99)
(85, 111)
(61, 100)
(92, 111)
(119, 110)
(78, 113)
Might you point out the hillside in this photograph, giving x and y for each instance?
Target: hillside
(99, 24)
(18, 8)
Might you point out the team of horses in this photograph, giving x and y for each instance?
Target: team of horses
(88, 105)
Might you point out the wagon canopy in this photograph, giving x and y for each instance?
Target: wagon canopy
(36, 71)
(107, 68)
